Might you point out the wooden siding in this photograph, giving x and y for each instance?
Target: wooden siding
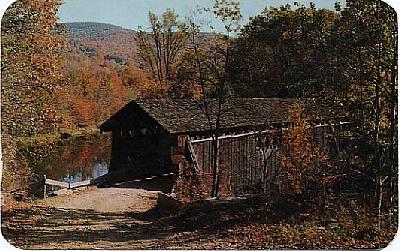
(249, 162)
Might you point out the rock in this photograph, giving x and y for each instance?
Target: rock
(63, 192)
(333, 220)
(104, 185)
(168, 202)
(65, 135)
(18, 196)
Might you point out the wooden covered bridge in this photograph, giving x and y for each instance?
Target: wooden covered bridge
(153, 136)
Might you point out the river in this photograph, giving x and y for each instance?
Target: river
(78, 159)
(84, 158)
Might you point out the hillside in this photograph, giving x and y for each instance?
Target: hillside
(94, 30)
(116, 43)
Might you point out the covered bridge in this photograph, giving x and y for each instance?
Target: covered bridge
(153, 136)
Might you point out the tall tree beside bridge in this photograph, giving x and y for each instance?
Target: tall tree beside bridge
(32, 67)
(212, 73)
(160, 47)
(32, 75)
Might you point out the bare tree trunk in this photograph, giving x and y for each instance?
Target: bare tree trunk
(360, 69)
(335, 137)
(221, 92)
(213, 130)
(392, 151)
(378, 151)
(216, 171)
(157, 41)
(229, 14)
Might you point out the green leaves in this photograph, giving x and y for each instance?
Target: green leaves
(284, 51)
(229, 13)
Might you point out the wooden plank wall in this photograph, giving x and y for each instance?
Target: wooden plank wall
(250, 162)
(247, 163)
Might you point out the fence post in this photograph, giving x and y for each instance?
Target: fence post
(44, 187)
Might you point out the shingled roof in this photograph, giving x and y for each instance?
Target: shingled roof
(184, 115)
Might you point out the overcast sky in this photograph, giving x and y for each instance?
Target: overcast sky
(133, 13)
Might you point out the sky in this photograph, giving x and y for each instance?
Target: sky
(133, 13)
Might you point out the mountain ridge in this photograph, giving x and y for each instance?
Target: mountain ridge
(94, 29)
(115, 42)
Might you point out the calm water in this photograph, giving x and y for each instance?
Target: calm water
(78, 159)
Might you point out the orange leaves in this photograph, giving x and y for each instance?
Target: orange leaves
(302, 161)
(32, 67)
(100, 88)
(118, 91)
(138, 80)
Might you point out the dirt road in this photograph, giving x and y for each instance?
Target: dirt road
(105, 200)
(117, 218)
(130, 218)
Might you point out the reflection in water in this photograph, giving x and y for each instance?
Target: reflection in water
(78, 159)
(97, 171)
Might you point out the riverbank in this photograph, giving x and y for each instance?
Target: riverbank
(21, 157)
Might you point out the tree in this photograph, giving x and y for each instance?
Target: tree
(283, 52)
(368, 32)
(160, 47)
(98, 88)
(212, 73)
(340, 62)
(32, 67)
(32, 57)
(302, 162)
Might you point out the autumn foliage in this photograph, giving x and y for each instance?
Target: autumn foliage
(32, 67)
(302, 161)
(99, 88)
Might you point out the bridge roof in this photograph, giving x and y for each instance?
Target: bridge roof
(187, 115)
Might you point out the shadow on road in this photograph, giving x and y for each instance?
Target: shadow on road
(163, 184)
(156, 228)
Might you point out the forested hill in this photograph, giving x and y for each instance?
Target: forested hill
(104, 69)
(117, 43)
(94, 39)
(94, 30)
